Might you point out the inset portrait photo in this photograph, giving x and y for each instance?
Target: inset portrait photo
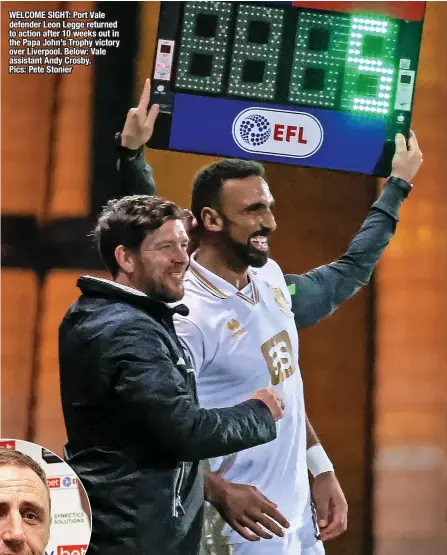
(44, 509)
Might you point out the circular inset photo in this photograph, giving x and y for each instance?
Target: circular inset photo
(45, 509)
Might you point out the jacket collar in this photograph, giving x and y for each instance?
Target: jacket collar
(90, 285)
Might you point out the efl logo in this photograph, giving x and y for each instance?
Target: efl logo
(278, 132)
(8, 444)
(72, 549)
(54, 482)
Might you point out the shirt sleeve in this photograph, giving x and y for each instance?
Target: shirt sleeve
(193, 341)
(320, 292)
(152, 393)
(136, 176)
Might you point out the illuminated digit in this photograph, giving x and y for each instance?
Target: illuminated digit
(203, 46)
(318, 58)
(257, 43)
(370, 67)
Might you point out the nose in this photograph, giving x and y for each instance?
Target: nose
(181, 256)
(12, 533)
(269, 221)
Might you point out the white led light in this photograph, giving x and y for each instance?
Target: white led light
(352, 43)
(356, 60)
(362, 20)
(361, 108)
(368, 101)
(374, 102)
(354, 26)
(379, 63)
(356, 107)
(356, 100)
(362, 101)
(368, 109)
(382, 87)
(361, 68)
(381, 95)
(355, 20)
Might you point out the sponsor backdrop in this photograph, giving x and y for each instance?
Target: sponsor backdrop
(70, 528)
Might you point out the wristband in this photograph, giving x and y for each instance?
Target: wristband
(405, 185)
(318, 461)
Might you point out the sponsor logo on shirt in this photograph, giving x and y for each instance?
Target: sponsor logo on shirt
(234, 327)
(278, 355)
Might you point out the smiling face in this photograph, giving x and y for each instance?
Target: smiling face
(158, 267)
(247, 220)
(24, 512)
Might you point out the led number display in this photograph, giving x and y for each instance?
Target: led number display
(203, 46)
(257, 46)
(338, 61)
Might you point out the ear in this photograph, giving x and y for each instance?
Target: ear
(212, 220)
(125, 258)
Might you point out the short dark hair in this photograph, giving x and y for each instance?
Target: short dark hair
(17, 458)
(210, 179)
(127, 221)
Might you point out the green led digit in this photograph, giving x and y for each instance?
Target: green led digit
(370, 65)
(320, 49)
(257, 43)
(203, 46)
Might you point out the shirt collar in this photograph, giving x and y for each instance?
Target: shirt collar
(94, 285)
(218, 286)
(119, 285)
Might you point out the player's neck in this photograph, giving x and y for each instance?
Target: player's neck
(211, 258)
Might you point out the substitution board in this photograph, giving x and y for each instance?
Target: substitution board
(321, 84)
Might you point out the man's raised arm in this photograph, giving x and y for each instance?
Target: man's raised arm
(319, 292)
(135, 173)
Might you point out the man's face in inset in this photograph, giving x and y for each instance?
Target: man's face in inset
(24, 512)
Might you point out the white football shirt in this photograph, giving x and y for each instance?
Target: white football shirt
(240, 342)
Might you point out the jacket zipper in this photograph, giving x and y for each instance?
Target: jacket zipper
(177, 501)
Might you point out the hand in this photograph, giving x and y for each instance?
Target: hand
(272, 400)
(140, 121)
(331, 506)
(406, 162)
(245, 508)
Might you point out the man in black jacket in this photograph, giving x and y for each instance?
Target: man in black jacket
(135, 431)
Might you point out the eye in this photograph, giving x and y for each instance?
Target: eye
(29, 515)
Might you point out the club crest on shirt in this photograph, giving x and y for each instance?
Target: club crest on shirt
(280, 300)
(234, 327)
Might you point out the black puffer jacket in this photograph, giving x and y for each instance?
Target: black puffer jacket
(135, 431)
